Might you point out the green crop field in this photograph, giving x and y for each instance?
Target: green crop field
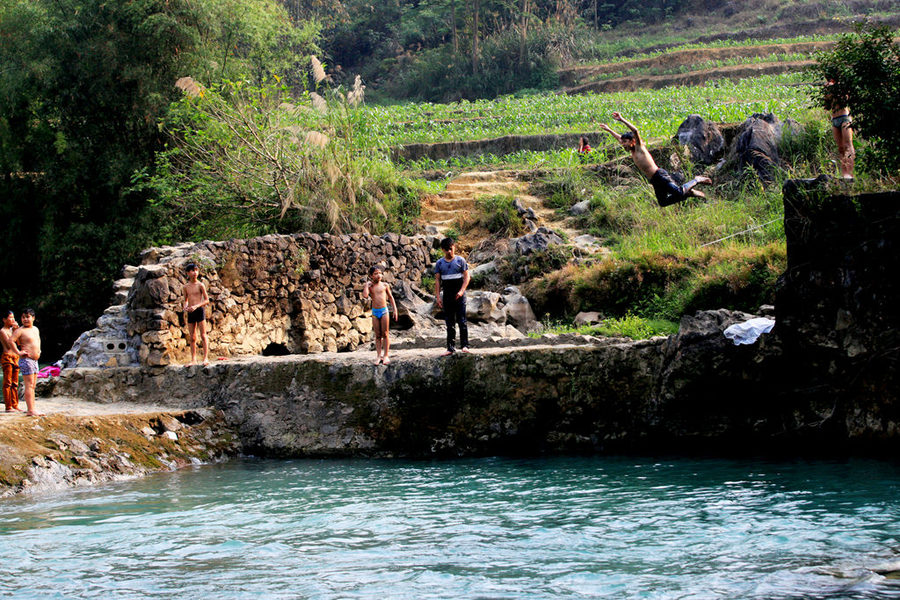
(657, 113)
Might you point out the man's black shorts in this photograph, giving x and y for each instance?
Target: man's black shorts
(666, 189)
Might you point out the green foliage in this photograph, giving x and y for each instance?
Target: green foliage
(507, 63)
(865, 67)
(83, 85)
(660, 286)
(634, 327)
(241, 153)
(566, 188)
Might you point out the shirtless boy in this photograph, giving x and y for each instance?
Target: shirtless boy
(195, 301)
(10, 362)
(380, 293)
(664, 186)
(28, 340)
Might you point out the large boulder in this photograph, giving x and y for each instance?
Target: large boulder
(703, 139)
(756, 144)
(484, 306)
(518, 310)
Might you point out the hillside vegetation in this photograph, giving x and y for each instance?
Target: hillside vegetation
(101, 155)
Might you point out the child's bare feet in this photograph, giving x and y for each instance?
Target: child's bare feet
(378, 360)
(34, 414)
(447, 353)
(386, 360)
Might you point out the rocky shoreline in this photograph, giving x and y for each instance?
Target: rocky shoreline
(61, 451)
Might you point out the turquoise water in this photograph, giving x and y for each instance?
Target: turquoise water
(588, 527)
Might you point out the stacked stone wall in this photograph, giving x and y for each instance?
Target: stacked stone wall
(302, 292)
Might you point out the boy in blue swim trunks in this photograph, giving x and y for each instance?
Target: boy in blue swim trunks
(380, 292)
(28, 340)
(665, 187)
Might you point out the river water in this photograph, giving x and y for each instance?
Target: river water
(582, 527)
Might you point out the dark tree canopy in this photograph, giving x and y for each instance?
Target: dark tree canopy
(83, 85)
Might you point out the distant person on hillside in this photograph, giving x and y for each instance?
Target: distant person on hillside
(380, 292)
(584, 149)
(451, 278)
(195, 301)
(583, 146)
(27, 339)
(10, 362)
(842, 128)
(664, 185)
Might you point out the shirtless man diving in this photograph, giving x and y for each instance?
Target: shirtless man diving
(665, 187)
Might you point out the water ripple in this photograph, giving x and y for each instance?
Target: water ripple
(489, 528)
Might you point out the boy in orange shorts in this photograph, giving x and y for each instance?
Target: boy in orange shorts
(10, 362)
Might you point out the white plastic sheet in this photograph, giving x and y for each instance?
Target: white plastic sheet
(749, 331)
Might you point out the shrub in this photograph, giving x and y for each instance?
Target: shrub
(498, 215)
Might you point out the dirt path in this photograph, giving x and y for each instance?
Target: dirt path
(456, 203)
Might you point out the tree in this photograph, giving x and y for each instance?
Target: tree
(247, 160)
(83, 85)
(865, 68)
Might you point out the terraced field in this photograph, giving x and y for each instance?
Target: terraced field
(691, 60)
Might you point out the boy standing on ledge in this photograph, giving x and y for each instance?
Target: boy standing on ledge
(10, 362)
(664, 186)
(380, 293)
(451, 275)
(28, 339)
(195, 301)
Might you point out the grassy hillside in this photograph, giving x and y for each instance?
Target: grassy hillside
(725, 251)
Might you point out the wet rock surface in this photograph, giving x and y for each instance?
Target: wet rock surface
(61, 451)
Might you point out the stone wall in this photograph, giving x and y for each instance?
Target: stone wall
(838, 303)
(301, 292)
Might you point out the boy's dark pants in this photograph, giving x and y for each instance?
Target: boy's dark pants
(455, 312)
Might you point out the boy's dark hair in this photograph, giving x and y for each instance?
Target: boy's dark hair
(8, 312)
(447, 243)
(374, 268)
(628, 135)
(28, 311)
(191, 266)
